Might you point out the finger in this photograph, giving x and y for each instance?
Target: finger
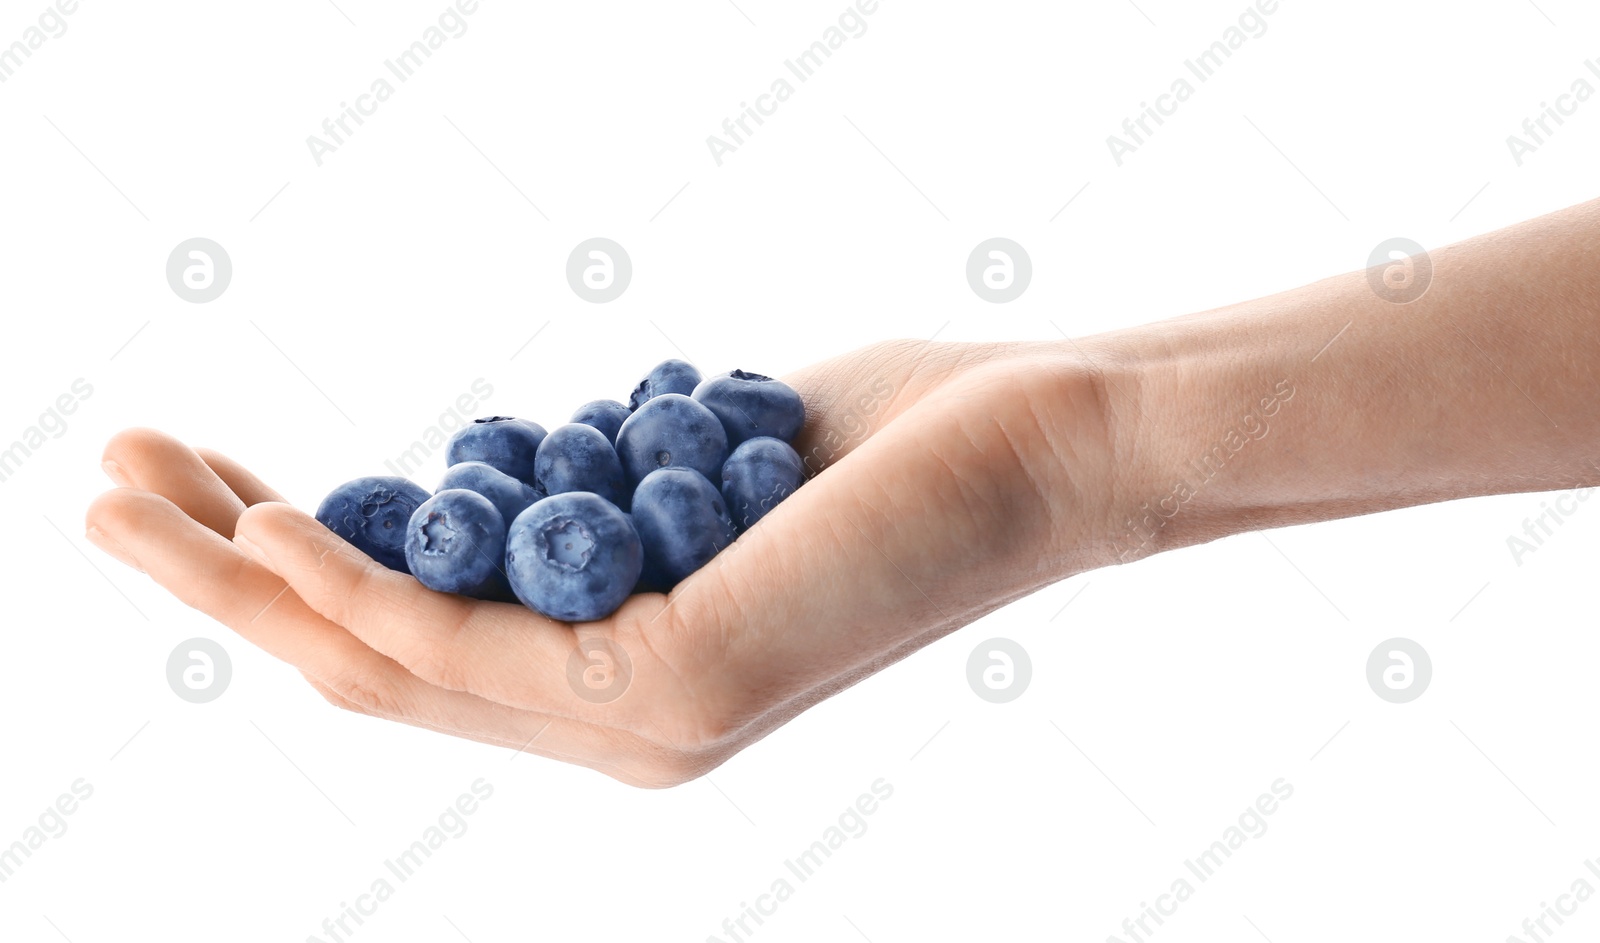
(499, 651)
(240, 480)
(251, 490)
(210, 574)
(156, 462)
(334, 697)
(536, 744)
(207, 572)
(522, 745)
(850, 397)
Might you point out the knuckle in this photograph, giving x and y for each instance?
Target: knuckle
(694, 729)
(707, 727)
(337, 700)
(368, 692)
(436, 653)
(435, 665)
(669, 768)
(692, 708)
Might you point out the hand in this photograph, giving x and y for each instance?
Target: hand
(954, 478)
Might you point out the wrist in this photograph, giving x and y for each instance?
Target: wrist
(1202, 404)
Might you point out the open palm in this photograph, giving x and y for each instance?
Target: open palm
(953, 478)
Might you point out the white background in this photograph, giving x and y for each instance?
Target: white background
(432, 245)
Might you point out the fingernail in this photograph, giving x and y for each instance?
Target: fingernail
(105, 542)
(251, 550)
(116, 474)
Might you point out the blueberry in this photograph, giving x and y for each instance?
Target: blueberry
(510, 496)
(760, 473)
(573, 557)
(751, 405)
(505, 442)
(682, 521)
(577, 457)
(651, 579)
(668, 376)
(372, 514)
(671, 430)
(606, 415)
(456, 543)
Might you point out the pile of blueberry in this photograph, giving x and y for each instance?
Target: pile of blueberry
(620, 500)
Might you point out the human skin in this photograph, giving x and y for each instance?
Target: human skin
(954, 479)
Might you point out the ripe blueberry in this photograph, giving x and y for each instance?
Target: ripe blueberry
(577, 457)
(573, 557)
(682, 521)
(751, 405)
(505, 442)
(607, 415)
(510, 496)
(651, 579)
(456, 543)
(760, 473)
(671, 430)
(668, 376)
(372, 514)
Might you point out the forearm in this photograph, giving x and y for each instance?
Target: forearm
(1330, 401)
